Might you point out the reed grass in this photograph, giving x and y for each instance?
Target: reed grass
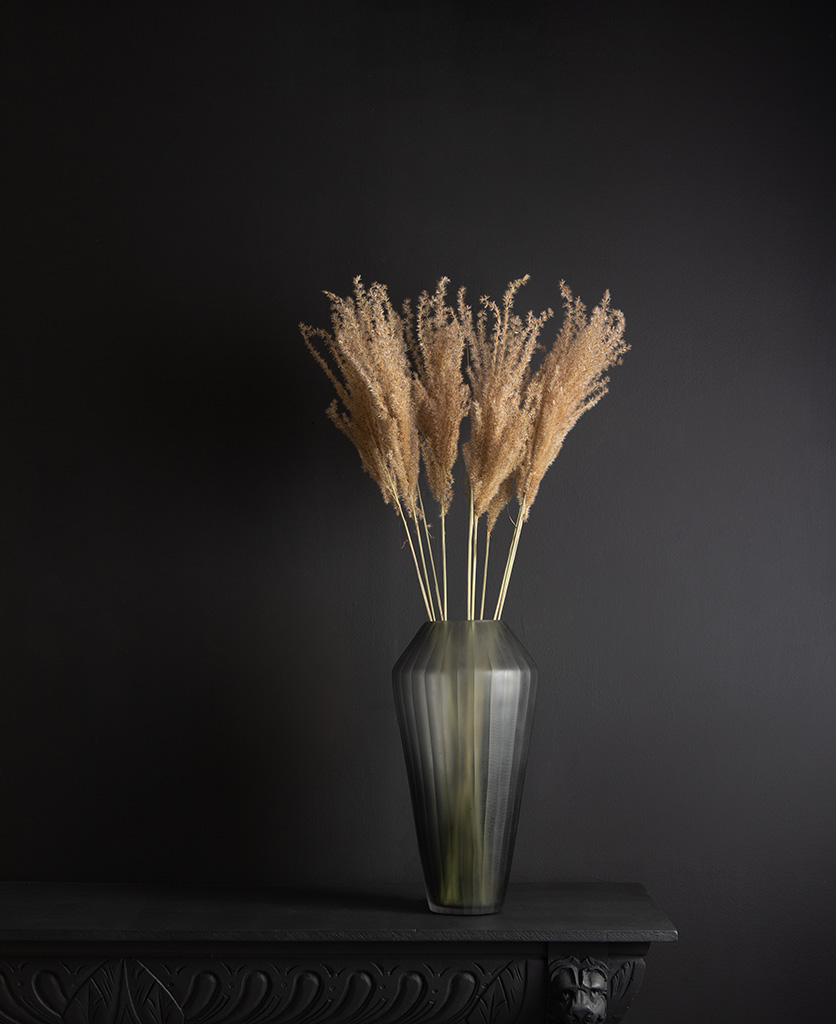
(405, 383)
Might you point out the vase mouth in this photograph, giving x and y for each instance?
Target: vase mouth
(465, 627)
(464, 630)
(464, 622)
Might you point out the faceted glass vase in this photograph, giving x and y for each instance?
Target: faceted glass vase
(464, 693)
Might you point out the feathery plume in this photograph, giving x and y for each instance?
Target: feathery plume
(401, 395)
(369, 368)
(498, 372)
(571, 379)
(441, 395)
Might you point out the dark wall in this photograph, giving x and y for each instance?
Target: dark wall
(201, 594)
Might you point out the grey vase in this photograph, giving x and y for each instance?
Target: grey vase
(464, 693)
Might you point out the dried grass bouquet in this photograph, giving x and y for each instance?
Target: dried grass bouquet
(406, 381)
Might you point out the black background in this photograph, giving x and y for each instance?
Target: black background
(201, 594)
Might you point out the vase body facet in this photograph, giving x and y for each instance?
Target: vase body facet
(464, 693)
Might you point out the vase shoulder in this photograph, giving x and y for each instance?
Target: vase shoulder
(481, 644)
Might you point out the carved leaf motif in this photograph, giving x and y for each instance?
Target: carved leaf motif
(221, 991)
(625, 983)
(501, 1001)
(620, 981)
(353, 997)
(122, 992)
(48, 990)
(305, 989)
(447, 995)
(20, 1000)
(202, 991)
(247, 997)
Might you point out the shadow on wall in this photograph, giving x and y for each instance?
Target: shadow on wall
(177, 703)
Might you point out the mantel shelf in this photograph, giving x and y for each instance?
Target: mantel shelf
(92, 953)
(594, 912)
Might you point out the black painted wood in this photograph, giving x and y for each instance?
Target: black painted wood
(595, 912)
(91, 954)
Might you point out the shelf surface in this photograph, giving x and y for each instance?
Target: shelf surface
(113, 912)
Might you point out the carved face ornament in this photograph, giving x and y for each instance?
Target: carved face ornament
(579, 992)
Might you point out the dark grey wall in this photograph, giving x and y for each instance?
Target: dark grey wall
(202, 596)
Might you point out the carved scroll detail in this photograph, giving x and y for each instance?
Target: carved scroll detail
(229, 991)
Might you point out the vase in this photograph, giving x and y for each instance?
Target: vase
(464, 694)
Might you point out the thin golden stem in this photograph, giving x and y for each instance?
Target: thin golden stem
(441, 613)
(498, 614)
(485, 573)
(506, 570)
(470, 556)
(424, 566)
(509, 565)
(444, 558)
(475, 567)
(430, 615)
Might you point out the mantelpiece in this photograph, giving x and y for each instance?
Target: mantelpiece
(89, 954)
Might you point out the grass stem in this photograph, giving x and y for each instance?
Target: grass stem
(470, 558)
(424, 565)
(485, 574)
(442, 613)
(444, 558)
(430, 615)
(509, 565)
(475, 567)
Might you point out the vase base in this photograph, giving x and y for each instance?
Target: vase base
(493, 908)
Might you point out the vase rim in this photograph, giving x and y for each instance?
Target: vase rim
(460, 625)
(464, 622)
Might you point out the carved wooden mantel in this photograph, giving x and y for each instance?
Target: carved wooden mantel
(114, 954)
